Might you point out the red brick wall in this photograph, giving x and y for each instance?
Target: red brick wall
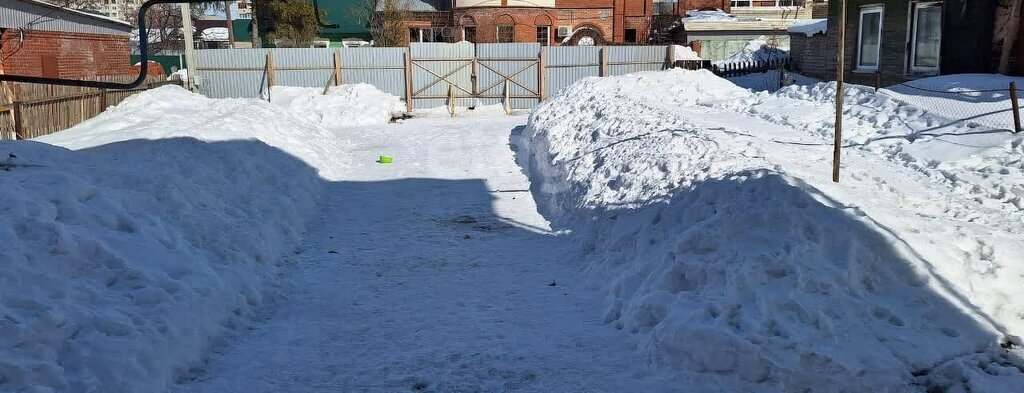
(67, 55)
(525, 21)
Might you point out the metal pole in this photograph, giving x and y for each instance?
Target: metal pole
(840, 69)
(190, 48)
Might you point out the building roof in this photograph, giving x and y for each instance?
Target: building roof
(38, 15)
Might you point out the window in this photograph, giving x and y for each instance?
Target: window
(506, 33)
(631, 35)
(427, 34)
(544, 35)
(926, 37)
(869, 39)
(766, 3)
(469, 34)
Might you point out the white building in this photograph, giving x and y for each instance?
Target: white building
(120, 9)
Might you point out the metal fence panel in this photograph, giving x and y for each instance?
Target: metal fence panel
(380, 67)
(629, 59)
(303, 67)
(438, 67)
(226, 73)
(516, 62)
(566, 64)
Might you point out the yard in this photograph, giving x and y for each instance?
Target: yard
(660, 231)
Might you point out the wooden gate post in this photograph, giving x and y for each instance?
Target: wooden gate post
(408, 80)
(451, 99)
(508, 98)
(337, 68)
(542, 82)
(1016, 107)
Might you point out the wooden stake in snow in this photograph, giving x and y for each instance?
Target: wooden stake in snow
(451, 99)
(1016, 107)
(840, 68)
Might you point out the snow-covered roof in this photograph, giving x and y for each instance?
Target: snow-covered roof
(215, 34)
(708, 16)
(809, 27)
(424, 5)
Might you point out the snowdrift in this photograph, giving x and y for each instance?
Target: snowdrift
(122, 259)
(736, 273)
(343, 106)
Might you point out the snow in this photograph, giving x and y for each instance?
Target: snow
(711, 221)
(756, 50)
(708, 16)
(215, 34)
(179, 75)
(342, 106)
(123, 257)
(685, 53)
(809, 27)
(660, 231)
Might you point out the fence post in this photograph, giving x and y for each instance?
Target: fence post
(451, 99)
(19, 121)
(671, 63)
(541, 77)
(337, 68)
(604, 61)
(408, 80)
(103, 100)
(1016, 107)
(508, 98)
(878, 81)
(271, 78)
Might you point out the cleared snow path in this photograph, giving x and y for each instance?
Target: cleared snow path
(431, 274)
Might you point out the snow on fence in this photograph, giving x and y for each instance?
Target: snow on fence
(33, 110)
(431, 74)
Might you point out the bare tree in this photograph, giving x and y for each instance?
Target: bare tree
(387, 20)
(77, 4)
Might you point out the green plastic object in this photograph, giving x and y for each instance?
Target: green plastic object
(385, 160)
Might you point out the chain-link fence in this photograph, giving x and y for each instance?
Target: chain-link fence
(986, 104)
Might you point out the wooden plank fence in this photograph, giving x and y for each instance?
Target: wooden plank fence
(39, 110)
(735, 69)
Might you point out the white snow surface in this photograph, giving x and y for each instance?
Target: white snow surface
(215, 34)
(123, 257)
(708, 16)
(710, 219)
(343, 106)
(686, 53)
(808, 27)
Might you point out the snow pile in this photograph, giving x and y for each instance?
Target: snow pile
(180, 75)
(685, 53)
(809, 27)
(343, 106)
(122, 260)
(978, 161)
(736, 272)
(756, 50)
(582, 171)
(708, 16)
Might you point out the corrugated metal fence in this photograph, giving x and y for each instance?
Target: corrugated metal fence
(432, 74)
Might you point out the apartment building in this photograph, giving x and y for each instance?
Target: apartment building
(119, 9)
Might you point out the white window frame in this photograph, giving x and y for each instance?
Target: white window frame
(870, 9)
(497, 33)
(912, 38)
(548, 36)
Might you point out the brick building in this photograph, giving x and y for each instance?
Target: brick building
(40, 39)
(549, 22)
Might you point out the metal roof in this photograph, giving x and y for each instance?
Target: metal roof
(37, 15)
